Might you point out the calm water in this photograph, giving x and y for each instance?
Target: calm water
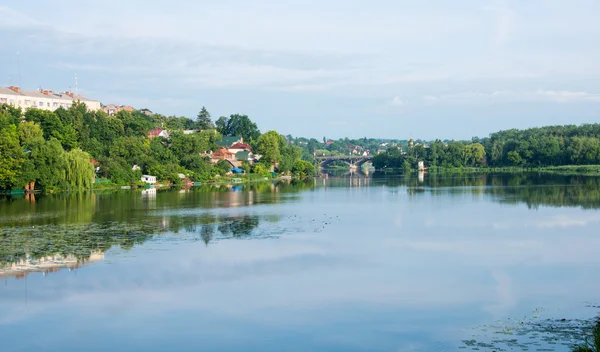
(338, 264)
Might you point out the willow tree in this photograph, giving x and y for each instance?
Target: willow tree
(80, 171)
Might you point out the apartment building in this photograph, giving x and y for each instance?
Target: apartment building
(43, 99)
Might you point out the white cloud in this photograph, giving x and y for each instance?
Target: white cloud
(565, 96)
(504, 96)
(398, 102)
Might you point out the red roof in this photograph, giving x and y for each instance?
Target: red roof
(155, 132)
(240, 146)
(329, 143)
(222, 152)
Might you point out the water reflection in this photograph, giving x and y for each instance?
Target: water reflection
(78, 225)
(533, 189)
(380, 263)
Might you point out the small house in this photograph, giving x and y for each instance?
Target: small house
(157, 132)
(149, 179)
(222, 154)
(239, 147)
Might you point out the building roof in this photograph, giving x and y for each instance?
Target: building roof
(228, 141)
(222, 151)
(8, 91)
(241, 146)
(155, 132)
(39, 94)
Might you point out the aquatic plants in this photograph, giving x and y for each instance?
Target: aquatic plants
(592, 340)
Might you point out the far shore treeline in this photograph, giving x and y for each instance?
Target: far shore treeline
(68, 148)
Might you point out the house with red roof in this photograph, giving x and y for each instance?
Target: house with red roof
(239, 147)
(157, 132)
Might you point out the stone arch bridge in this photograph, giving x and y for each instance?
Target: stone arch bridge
(353, 161)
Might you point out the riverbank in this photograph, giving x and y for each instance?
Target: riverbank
(563, 170)
(221, 181)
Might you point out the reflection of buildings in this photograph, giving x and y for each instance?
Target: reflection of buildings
(48, 264)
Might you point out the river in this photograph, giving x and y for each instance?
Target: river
(353, 263)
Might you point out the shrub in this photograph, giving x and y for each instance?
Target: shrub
(303, 168)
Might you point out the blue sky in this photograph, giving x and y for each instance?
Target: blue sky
(379, 68)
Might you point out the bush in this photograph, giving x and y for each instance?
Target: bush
(303, 168)
(262, 170)
(222, 167)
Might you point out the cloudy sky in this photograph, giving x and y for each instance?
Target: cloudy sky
(335, 68)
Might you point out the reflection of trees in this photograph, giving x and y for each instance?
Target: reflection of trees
(78, 240)
(238, 226)
(533, 189)
(207, 233)
(84, 223)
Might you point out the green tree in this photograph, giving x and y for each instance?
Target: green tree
(79, 170)
(31, 139)
(303, 168)
(222, 167)
(221, 125)
(514, 158)
(50, 164)
(204, 122)
(12, 114)
(238, 125)
(268, 146)
(289, 155)
(473, 154)
(11, 157)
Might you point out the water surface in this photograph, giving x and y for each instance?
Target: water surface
(423, 263)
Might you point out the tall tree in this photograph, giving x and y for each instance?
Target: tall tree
(221, 125)
(204, 122)
(11, 157)
(79, 171)
(268, 146)
(239, 125)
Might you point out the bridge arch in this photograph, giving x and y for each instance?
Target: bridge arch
(351, 160)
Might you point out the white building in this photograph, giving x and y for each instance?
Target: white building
(149, 179)
(43, 99)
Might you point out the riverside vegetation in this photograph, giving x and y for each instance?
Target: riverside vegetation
(52, 150)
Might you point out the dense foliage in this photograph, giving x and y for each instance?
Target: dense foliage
(535, 147)
(68, 149)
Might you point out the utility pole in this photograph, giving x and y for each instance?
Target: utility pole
(19, 69)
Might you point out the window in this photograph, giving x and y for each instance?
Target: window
(3, 100)
(27, 102)
(12, 101)
(54, 104)
(48, 104)
(41, 103)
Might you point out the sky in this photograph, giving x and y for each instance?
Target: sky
(331, 68)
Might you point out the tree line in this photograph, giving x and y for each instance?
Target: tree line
(534, 147)
(68, 148)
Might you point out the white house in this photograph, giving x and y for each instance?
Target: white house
(43, 99)
(149, 179)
